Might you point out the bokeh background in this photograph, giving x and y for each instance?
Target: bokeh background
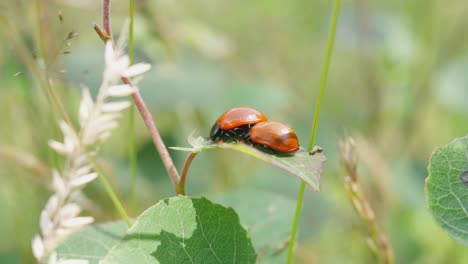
(398, 84)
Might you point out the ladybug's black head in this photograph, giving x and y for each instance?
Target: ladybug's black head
(215, 132)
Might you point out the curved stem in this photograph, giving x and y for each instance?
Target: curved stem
(180, 189)
(318, 107)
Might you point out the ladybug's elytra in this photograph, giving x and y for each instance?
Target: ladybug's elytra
(235, 124)
(275, 136)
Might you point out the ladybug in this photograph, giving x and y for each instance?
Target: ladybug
(235, 124)
(274, 136)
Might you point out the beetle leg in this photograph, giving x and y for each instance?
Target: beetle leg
(232, 135)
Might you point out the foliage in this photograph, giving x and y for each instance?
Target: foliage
(397, 81)
(176, 230)
(264, 212)
(447, 188)
(304, 165)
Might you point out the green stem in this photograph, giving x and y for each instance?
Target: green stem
(131, 126)
(325, 70)
(180, 188)
(118, 205)
(318, 107)
(132, 155)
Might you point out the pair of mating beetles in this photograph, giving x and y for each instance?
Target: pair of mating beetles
(250, 125)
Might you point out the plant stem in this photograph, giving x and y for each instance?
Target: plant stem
(157, 140)
(325, 70)
(181, 183)
(110, 192)
(106, 17)
(144, 112)
(101, 34)
(132, 155)
(131, 126)
(318, 107)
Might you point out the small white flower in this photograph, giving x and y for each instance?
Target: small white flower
(116, 66)
(106, 126)
(45, 223)
(59, 147)
(121, 90)
(97, 118)
(58, 184)
(106, 118)
(115, 106)
(84, 170)
(83, 180)
(69, 211)
(71, 140)
(82, 159)
(86, 106)
(68, 132)
(121, 64)
(77, 222)
(109, 53)
(136, 69)
(38, 247)
(52, 205)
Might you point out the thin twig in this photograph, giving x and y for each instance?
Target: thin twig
(144, 112)
(101, 34)
(106, 17)
(157, 140)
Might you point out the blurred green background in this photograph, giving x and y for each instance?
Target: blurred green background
(398, 84)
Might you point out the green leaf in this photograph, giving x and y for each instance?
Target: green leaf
(92, 242)
(268, 217)
(185, 230)
(304, 165)
(447, 188)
